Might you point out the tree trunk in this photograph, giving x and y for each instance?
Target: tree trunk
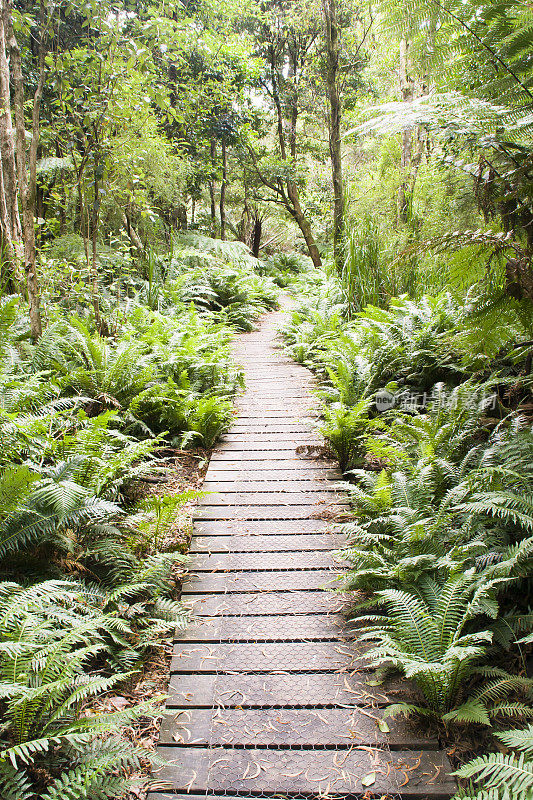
(101, 324)
(414, 139)
(305, 227)
(27, 180)
(181, 216)
(290, 196)
(243, 228)
(9, 211)
(213, 152)
(335, 113)
(256, 235)
(8, 273)
(223, 191)
(133, 236)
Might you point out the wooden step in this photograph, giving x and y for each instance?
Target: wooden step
(228, 562)
(259, 581)
(262, 602)
(273, 727)
(314, 773)
(268, 628)
(277, 690)
(266, 543)
(270, 656)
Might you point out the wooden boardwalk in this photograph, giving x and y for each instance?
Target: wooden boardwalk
(269, 688)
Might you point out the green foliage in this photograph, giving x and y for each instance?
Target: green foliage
(425, 634)
(502, 776)
(206, 420)
(442, 531)
(50, 636)
(345, 430)
(282, 268)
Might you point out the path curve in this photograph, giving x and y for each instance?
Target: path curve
(268, 689)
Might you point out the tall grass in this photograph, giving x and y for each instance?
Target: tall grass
(380, 265)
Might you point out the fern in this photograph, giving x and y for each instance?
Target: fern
(502, 776)
(50, 635)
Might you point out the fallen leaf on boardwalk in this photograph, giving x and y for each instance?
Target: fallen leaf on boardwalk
(369, 780)
(382, 725)
(255, 775)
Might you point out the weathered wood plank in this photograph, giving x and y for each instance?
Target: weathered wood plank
(287, 526)
(280, 480)
(256, 581)
(264, 690)
(311, 772)
(260, 543)
(264, 444)
(259, 437)
(295, 602)
(280, 413)
(331, 511)
(261, 464)
(280, 484)
(289, 458)
(271, 498)
(268, 657)
(232, 561)
(295, 727)
(268, 628)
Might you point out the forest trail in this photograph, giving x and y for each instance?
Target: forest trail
(268, 689)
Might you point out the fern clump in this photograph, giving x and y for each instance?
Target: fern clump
(345, 430)
(432, 635)
(54, 640)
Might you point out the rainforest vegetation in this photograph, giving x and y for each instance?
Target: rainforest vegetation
(166, 171)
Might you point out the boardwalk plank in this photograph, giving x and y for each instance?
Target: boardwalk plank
(308, 772)
(269, 628)
(260, 581)
(263, 690)
(271, 498)
(281, 484)
(270, 656)
(330, 511)
(294, 727)
(262, 561)
(296, 602)
(273, 543)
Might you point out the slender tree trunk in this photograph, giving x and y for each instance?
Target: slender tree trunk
(8, 259)
(181, 217)
(244, 224)
(335, 114)
(9, 211)
(256, 235)
(414, 138)
(407, 89)
(27, 180)
(305, 226)
(213, 152)
(95, 214)
(290, 196)
(133, 236)
(223, 191)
